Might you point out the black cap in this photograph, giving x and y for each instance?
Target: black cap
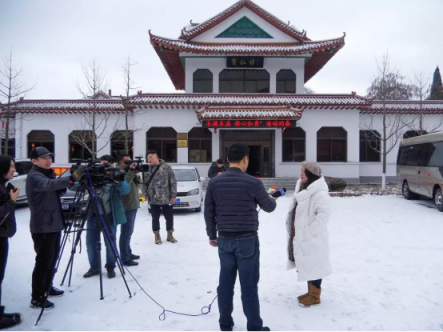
(39, 152)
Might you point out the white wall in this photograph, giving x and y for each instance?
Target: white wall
(61, 125)
(278, 36)
(184, 119)
(272, 64)
(311, 122)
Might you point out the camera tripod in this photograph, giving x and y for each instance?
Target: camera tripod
(95, 204)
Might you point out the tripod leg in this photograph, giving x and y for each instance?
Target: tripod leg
(109, 237)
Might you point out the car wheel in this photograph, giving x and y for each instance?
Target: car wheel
(438, 199)
(407, 193)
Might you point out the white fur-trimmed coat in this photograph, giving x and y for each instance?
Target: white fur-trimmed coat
(311, 241)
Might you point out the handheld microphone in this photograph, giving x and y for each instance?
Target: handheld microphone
(279, 192)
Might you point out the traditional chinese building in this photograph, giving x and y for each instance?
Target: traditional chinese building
(243, 74)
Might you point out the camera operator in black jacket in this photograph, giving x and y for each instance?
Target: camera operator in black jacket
(231, 209)
(8, 197)
(43, 191)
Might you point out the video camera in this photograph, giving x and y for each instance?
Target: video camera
(100, 174)
(140, 167)
(278, 192)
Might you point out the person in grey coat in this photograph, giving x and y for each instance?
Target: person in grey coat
(43, 191)
(160, 189)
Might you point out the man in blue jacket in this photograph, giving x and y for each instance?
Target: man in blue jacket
(231, 209)
(111, 195)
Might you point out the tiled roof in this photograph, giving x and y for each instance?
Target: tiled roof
(193, 30)
(247, 48)
(245, 112)
(68, 106)
(405, 107)
(351, 101)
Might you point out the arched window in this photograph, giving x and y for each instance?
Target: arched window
(332, 144)
(200, 145)
(286, 81)
(370, 146)
(294, 145)
(11, 147)
(81, 144)
(164, 141)
(244, 81)
(43, 138)
(118, 139)
(203, 81)
(414, 133)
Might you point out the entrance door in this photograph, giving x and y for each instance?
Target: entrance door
(261, 149)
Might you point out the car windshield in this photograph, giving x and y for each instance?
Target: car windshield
(185, 175)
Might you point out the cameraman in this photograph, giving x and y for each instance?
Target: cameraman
(160, 189)
(131, 202)
(111, 195)
(43, 191)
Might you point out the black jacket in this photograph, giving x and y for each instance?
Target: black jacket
(43, 191)
(214, 170)
(8, 226)
(231, 203)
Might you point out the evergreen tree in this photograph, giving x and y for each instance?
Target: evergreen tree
(436, 87)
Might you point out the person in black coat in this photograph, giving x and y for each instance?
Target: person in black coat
(231, 210)
(43, 191)
(8, 197)
(216, 168)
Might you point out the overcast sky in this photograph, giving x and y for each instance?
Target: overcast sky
(52, 39)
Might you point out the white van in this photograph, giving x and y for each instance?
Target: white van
(420, 167)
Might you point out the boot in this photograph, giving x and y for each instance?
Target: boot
(304, 295)
(170, 237)
(8, 320)
(313, 297)
(158, 239)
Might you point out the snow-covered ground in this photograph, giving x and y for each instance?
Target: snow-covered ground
(387, 255)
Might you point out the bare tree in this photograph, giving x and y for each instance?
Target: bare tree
(11, 89)
(129, 87)
(388, 85)
(95, 122)
(421, 89)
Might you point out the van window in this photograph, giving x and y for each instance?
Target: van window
(423, 159)
(413, 153)
(403, 155)
(435, 152)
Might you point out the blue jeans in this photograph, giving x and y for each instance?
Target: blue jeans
(125, 235)
(92, 238)
(242, 255)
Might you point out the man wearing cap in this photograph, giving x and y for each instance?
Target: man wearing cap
(216, 168)
(43, 191)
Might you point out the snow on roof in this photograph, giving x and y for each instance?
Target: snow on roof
(247, 48)
(193, 30)
(298, 101)
(405, 107)
(67, 106)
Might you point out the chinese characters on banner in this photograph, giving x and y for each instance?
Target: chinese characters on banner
(245, 62)
(248, 123)
(59, 170)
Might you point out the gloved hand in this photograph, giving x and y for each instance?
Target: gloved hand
(78, 174)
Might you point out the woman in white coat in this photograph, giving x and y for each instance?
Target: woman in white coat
(308, 247)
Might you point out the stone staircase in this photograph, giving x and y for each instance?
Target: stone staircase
(288, 183)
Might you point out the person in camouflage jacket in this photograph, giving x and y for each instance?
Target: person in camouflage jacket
(161, 193)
